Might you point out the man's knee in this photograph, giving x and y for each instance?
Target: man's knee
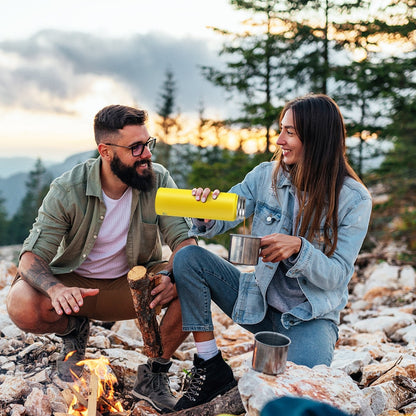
(23, 306)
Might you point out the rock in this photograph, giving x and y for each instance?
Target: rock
(320, 383)
(406, 334)
(5, 322)
(389, 324)
(12, 331)
(127, 329)
(407, 277)
(56, 400)
(217, 249)
(13, 389)
(383, 275)
(386, 396)
(376, 374)
(350, 361)
(99, 341)
(17, 410)
(37, 403)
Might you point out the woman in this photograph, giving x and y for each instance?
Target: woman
(312, 213)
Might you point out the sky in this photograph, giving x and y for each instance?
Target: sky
(61, 61)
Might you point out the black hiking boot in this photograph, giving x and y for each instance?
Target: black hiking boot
(73, 351)
(206, 380)
(152, 385)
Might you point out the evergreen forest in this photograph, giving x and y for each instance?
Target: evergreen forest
(360, 52)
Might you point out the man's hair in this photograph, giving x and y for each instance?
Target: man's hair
(320, 174)
(112, 118)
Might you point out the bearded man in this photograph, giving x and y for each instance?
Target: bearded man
(98, 221)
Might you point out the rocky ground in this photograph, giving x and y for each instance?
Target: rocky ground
(373, 371)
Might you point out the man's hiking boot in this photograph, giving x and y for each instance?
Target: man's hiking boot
(152, 385)
(73, 351)
(207, 380)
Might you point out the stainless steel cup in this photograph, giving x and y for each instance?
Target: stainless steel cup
(270, 352)
(244, 249)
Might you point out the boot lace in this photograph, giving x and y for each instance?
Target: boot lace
(160, 384)
(194, 382)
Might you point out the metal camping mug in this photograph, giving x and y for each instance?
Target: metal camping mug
(270, 352)
(244, 249)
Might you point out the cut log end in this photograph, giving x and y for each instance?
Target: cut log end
(137, 273)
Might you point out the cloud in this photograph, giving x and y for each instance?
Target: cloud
(52, 69)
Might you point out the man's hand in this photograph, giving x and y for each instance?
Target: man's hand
(164, 292)
(68, 299)
(277, 247)
(35, 271)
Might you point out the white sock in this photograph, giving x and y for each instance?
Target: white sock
(207, 349)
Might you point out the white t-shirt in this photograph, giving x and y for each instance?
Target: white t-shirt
(107, 259)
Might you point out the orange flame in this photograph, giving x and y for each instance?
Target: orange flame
(106, 380)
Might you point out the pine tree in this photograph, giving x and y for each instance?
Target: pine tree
(4, 237)
(396, 217)
(37, 186)
(168, 122)
(253, 69)
(292, 47)
(369, 85)
(283, 53)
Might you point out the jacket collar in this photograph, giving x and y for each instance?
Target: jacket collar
(94, 179)
(283, 179)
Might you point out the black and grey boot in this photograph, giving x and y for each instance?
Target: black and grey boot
(207, 380)
(74, 345)
(152, 385)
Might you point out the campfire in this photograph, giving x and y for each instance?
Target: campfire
(92, 394)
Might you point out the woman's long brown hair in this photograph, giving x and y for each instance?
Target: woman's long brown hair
(319, 176)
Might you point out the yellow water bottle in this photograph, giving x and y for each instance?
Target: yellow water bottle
(181, 203)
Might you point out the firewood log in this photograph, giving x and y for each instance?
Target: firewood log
(229, 402)
(141, 286)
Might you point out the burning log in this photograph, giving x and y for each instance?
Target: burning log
(79, 398)
(100, 390)
(92, 395)
(141, 286)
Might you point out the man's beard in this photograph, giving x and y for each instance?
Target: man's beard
(130, 177)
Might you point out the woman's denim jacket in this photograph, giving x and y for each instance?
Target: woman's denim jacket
(323, 280)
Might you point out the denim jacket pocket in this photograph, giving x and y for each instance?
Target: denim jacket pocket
(250, 306)
(270, 219)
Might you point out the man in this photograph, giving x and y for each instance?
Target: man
(96, 223)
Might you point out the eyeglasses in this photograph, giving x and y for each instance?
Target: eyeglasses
(137, 148)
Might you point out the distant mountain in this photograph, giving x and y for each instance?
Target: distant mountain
(12, 165)
(13, 188)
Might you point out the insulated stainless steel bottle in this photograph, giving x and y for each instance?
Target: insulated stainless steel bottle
(181, 203)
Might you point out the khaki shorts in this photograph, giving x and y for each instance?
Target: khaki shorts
(113, 302)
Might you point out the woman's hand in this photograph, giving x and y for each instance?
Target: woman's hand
(277, 247)
(202, 194)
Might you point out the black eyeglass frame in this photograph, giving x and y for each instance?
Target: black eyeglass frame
(150, 144)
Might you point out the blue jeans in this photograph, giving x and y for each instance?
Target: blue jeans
(202, 276)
